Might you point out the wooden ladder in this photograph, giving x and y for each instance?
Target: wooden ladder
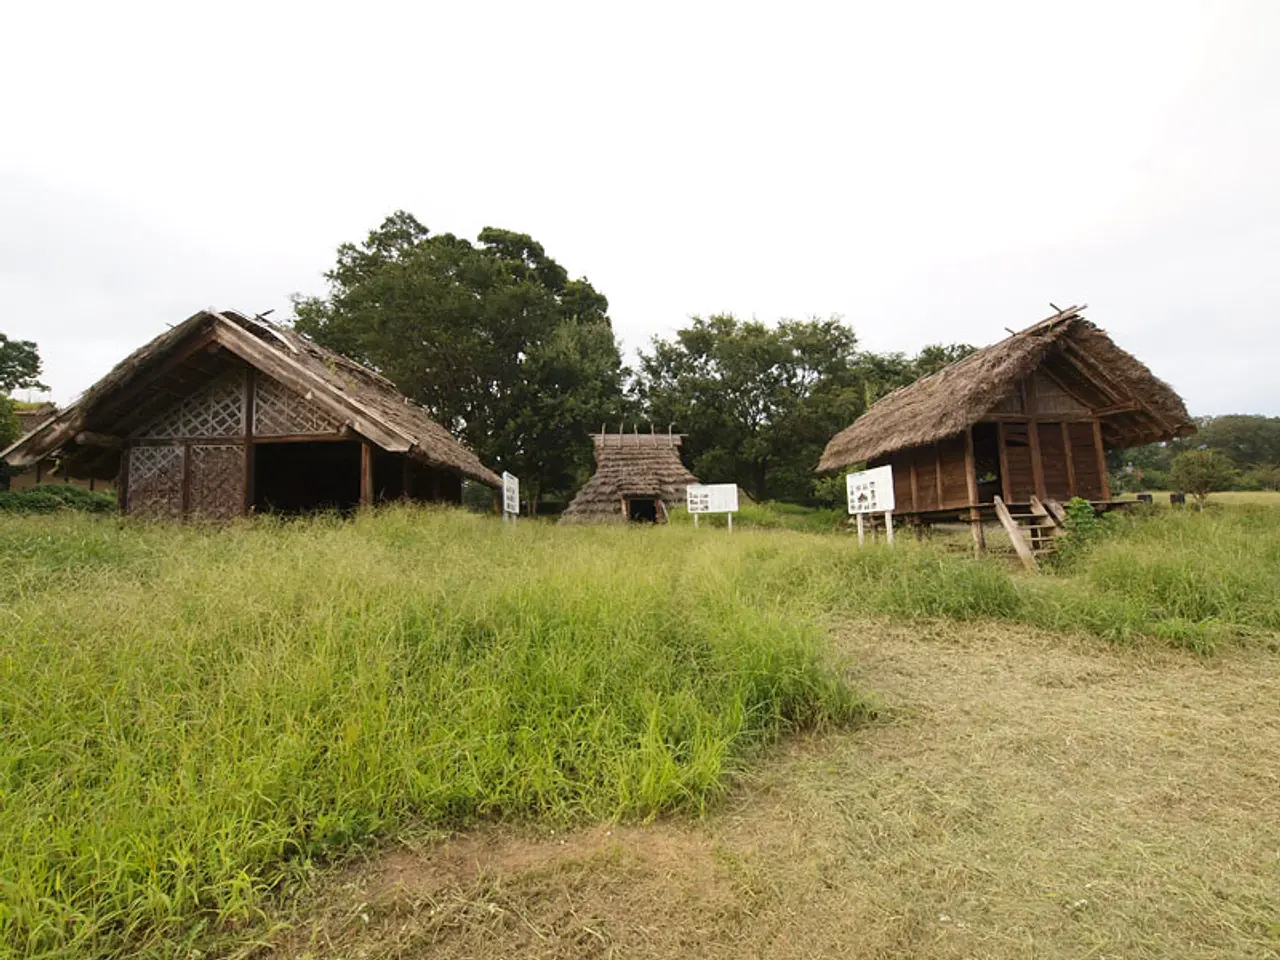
(1032, 534)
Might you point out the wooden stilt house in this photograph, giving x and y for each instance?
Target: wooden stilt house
(1022, 422)
(225, 414)
(639, 477)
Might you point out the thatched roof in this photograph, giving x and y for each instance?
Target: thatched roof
(1135, 406)
(630, 465)
(30, 417)
(363, 401)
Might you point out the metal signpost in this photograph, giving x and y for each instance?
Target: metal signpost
(712, 498)
(510, 497)
(871, 491)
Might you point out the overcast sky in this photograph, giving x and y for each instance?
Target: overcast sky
(928, 171)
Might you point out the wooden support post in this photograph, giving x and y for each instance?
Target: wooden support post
(1071, 466)
(250, 494)
(1103, 479)
(915, 484)
(937, 472)
(186, 478)
(1033, 437)
(366, 473)
(730, 516)
(971, 482)
(862, 534)
(888, 527)
(1037, 465)
(1006, 481)
(122, 481)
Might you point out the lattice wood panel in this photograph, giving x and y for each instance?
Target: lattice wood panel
(278, 412)
(217, 481)
(155, 482)
(216, 410)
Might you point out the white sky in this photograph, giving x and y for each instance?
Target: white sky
(928, 171)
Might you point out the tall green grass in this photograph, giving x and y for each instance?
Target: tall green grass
(189, 717)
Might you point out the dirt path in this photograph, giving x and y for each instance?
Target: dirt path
(1022, 796)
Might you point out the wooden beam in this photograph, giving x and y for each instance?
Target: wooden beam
(937, 471)
(971, 482)
(1116, 408)
(1063, 387)
(250, 390)
(1071, 464)
(87, 438)
(304, 438)
(301, 380)
(915, 484)
(1083, 359)
(122, 482)
(186, 479)
(1006, 481)
(1033, 437)
(1101, 452)
(366, 474)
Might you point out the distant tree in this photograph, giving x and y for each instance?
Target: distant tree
(758, 402)
(935, 356)
(1201, 472)
(1247, 440)
(19, 370)
(19, 366)
(493, 338)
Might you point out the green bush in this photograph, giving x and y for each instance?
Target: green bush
(51, 497)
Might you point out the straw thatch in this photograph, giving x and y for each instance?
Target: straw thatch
(956, 397)
(635, 465)
(363, 401)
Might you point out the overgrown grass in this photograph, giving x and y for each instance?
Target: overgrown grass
(189, 717)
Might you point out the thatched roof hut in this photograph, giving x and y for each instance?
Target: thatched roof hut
(226, 413)
(1031, 415)
(638, 477)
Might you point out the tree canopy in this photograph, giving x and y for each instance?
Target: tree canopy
(19, 370)
(759, 402)
(493, 338)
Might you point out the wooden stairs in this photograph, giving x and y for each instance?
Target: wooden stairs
(1033, 534)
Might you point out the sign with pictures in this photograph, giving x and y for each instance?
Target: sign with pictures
(870, 491)
(510, 493)
(712, 497)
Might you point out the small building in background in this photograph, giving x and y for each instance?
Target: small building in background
(638, 477)
(49, 470)
(226, 414)
(1030, 416)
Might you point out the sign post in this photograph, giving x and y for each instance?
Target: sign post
(510, 497)
(871, 492)
(712, 498)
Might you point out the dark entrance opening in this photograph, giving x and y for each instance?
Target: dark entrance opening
(296, 478)
(986, 461)
(642, 511)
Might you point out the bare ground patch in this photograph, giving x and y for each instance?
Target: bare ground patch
(1021, 796)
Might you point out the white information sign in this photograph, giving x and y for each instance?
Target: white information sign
(510, 494)
(712, 497)
(870, 491)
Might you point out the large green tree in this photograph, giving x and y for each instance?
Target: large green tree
(759, 402)
(493, 338)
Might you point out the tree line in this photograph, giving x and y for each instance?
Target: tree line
(521, 362)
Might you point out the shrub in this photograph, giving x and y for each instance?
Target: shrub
(1201, 472)
(52, 497)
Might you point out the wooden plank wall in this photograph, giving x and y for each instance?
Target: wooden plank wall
(1085, 460)
(955, 483)
(1053, 453)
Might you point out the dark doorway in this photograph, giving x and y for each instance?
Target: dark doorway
(986, 461)
(306, 477)
(642, 511)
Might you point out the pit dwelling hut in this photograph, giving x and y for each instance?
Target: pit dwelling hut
(639, 477)
(1021, 423)
(48, 470)
(225, 414)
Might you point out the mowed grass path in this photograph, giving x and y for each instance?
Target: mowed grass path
(1021, 795)
(191, 718)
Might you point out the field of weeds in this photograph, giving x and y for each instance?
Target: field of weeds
(192, 719)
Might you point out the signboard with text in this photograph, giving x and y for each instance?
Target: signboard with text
(870, 491)
(510, 493)
(712, 497)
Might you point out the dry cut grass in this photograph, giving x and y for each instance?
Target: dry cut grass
(1022, 796)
